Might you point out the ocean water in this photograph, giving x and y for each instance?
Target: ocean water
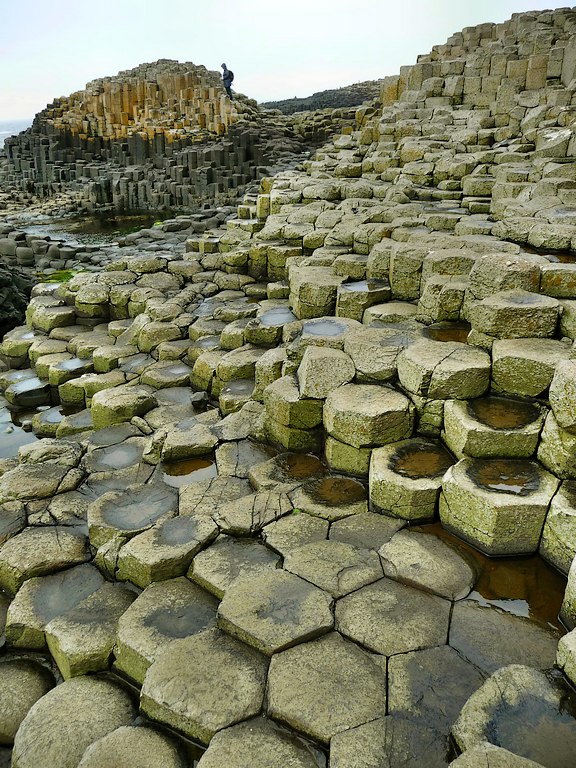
(11, 128)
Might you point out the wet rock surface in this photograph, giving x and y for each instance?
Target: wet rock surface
(242, 417)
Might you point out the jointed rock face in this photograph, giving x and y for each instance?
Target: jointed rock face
(382, 337)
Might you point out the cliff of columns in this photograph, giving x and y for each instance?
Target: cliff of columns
(162, 135)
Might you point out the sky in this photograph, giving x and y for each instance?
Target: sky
(278, 49)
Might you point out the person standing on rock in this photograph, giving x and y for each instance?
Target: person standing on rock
(227, 79)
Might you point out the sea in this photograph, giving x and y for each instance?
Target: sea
(12, 127)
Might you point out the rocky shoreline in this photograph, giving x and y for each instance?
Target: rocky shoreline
(245, 431)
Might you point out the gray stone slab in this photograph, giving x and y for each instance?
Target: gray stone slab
(325, 686)
(428, 563)
(390, 618)
(164, 612)
(64, 722)
(334, 566)
(39, 551)
(275, 610)
(228, 558)
(431, 686)
(491, 638)
(388, 741)
(81, 640)
(166, 550)
(248, 515)
(204, 683)
(294, 530)
(258, 743)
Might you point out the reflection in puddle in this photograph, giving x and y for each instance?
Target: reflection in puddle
(335, 491)
(524, 586)
(503, 412)
(505, 475)
(457, 331)
(180, 473)
(299, 466)
(325, 327)
(421, 458)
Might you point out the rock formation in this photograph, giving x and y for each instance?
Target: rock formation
(162, 135)
(251, 423)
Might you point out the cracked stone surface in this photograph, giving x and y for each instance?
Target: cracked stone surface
(275, 610)
(249, 514)
(334, 566)
(325, 686)
(366, 530)
(205, 497)
(491, 638)
(39, 551)
(205, 683)
(293, 531)
(431, 686)
(388, 741)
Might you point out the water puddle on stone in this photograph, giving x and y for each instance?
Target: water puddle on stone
(524, 586)
(180, 473)
(335, 491)
(134, 510)
(421, 459)
(505, 475)
(273, 318)
(299, 466)
(325, 327)
(503, 412)
(364, 286)
(12, 435)
(457, 331)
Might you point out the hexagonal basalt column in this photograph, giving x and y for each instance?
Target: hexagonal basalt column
(516, 314)
(365, 415)
(406, 477)
(492, 426)
(563, 395)
(519, 707)
(334, 566)
(443, 370)
(163, 612)
(498, 505)
(389, 618)
(113, 406)
(354, 298)
(275, 610)
(325, 686)
(568, 610)
(204, 683)
(259, 743)
(127, 513)
(558, 544)
(313, 291)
